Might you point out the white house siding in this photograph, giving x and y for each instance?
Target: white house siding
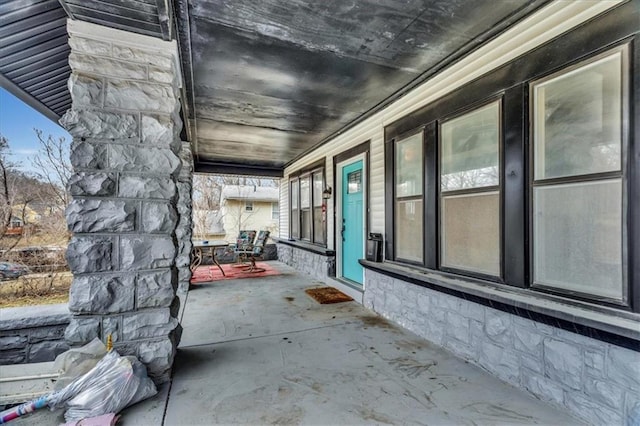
(596, 381)
(284, 209)
(258, 219)
(373, 132)
(376, 182)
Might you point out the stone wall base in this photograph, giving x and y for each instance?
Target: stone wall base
(596, 381)
(317, 265)
(33, 334)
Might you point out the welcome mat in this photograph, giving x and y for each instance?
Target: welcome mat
(326, 295)
(208, 273)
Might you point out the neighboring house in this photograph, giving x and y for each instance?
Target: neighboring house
(249, 207)
(16, 226)
(44, 209)
(25, 215)
(207, 225)
(23, 218)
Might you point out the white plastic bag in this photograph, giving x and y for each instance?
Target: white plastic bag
(113, 384)
(77, 361)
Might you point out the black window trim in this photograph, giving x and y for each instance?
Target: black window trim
(394, 143)
(307, 171)
(468, 191)
(613, 28)
(625, 47)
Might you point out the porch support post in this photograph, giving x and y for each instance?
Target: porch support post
(185, 223)
(125, 154)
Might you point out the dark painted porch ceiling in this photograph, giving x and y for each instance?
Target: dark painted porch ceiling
(273, 79)
(265, 81)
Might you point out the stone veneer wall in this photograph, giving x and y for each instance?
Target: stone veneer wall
(184, 229)
(317, 265)
(32, 333)
(125, 154)
(594, 380)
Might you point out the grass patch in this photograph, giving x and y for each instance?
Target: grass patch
(36, 289)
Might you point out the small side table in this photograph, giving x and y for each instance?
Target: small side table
(206, 248)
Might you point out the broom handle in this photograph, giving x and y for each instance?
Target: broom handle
(21, 410)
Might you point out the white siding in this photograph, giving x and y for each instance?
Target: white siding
(549, 22)
(235, 218)
(284, 208)
(376, 182)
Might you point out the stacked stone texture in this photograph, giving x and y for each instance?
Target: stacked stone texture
(185, 222)
(596, 381)
(314, 264)
(125, 154)
(29, 338)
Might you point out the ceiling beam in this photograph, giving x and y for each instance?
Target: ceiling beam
(222, 168)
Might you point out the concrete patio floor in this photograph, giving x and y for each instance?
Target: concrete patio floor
(261, 351)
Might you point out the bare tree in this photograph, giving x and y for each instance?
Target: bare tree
(17, 191)
(43, 194)
(207, 199)
(7, 199)
(53, 166)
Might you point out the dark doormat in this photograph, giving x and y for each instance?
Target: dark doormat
(326, 295)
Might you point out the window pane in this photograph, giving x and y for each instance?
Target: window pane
(354, 182)
(305, 194)
(295, 213)
(305, 216)
(318, 225)
(275, 211)
(469, 149)
(409, 230)
(318, 222)
(295, 221)
(294, 194)
(471, 232)
(409, 166)
(578, 237)
(577, 120)
(318, 187)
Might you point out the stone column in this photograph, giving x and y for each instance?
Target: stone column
(185, 222)
(125, 154)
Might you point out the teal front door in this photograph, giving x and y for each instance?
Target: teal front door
(352, 221)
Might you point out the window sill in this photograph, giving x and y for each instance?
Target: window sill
(599, 322)
(306, 246)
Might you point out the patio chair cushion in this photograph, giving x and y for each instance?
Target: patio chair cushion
(244, 239)
(255, 252)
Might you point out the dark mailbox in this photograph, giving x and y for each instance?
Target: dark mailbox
(374, 247)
